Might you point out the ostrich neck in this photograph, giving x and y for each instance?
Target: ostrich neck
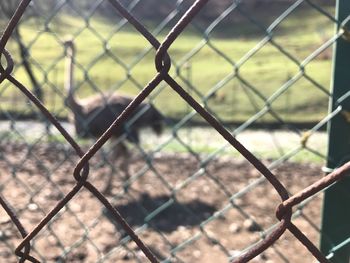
(71, 101)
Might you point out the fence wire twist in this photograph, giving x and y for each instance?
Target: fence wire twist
(163, 65)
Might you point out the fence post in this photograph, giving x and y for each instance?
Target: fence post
(336, 207)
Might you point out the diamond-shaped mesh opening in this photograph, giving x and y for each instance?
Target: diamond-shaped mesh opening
(268, 58)
(300, 42)
(302, 109)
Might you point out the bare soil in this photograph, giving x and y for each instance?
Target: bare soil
(184, 210)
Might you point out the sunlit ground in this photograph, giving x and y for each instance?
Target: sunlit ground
(265, 144)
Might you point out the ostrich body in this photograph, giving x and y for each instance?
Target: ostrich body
(92, 116)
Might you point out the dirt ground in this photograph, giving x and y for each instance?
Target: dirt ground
(184, 209)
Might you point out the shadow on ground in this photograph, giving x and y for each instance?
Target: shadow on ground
(170, 216)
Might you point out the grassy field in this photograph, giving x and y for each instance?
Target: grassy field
(124, 60)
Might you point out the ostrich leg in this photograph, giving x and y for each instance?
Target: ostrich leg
(120, 153)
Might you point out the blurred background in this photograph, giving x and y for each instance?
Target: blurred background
(262, 68)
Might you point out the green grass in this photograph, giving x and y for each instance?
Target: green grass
(267, 70)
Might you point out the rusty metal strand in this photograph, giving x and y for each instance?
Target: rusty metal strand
(138, 26)
(307, 243)
(176, 30)
(119, 120)
(4, 73)
(13, 23)
(148, 253)
(99, 143)
(262, 246)
(47, 218)
(282, 191)
(321, 184)
(47, 114)
(5, 37)
(267, 242)
(15, 220)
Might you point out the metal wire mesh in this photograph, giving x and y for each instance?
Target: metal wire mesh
(181, 206)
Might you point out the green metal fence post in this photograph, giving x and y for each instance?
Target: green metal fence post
(336, 207)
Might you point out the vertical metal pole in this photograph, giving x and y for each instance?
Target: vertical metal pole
(336, 207)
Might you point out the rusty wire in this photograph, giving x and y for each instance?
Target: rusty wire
(81, 171)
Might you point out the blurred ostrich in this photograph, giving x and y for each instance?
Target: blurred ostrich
(92, 116)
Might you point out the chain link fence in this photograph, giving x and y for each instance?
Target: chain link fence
(236, 175)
